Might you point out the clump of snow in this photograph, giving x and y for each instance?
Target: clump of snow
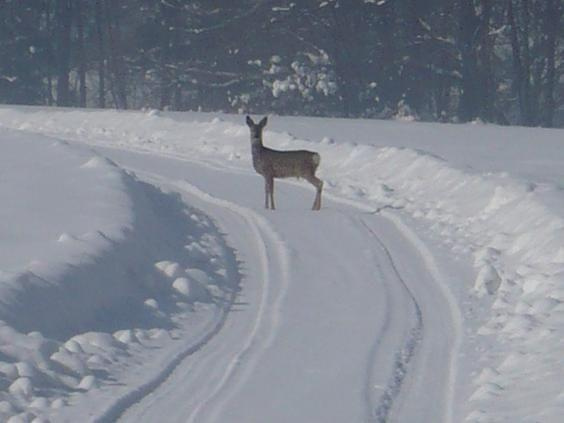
(153, 112)
(182, 285)
(88, 382)
(21, 387)
(170, 269)
(126, 336)
(151, 303)
(488, 280)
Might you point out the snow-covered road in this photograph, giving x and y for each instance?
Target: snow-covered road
(360, 339)
(428, 288)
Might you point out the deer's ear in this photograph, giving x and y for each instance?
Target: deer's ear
(262, 123)
(250, 121)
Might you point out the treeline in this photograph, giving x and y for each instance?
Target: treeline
(441, 60)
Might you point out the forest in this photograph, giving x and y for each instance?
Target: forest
(433, 60)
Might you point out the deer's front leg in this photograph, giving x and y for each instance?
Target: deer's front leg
(272, 193)
(266, 192)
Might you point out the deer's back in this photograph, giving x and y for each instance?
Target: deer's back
(284, 164)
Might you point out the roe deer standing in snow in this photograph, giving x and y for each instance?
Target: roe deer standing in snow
(282, 164)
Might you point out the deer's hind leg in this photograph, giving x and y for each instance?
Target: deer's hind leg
(318, 184)
(268, 192)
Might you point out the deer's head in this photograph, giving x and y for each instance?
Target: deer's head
(256, 128)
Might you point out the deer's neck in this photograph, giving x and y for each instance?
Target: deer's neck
(256, 145)
(256, 151)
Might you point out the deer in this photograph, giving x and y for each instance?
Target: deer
(282, 164)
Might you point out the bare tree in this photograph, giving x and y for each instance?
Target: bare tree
(79, 10)
(115, 57)
(101, 54)
(552, 16)
(63, 36)
(476, 97)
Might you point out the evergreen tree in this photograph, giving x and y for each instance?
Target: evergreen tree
(499, 61)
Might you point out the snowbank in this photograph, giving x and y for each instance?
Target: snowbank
(510, 224)
(97, 271)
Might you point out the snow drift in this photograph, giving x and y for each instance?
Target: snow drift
(94, 265)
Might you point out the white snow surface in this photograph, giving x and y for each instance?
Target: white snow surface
(139, 276)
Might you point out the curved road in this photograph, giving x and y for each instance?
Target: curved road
(343, 315)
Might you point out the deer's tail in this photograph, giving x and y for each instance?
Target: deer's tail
(316, 159)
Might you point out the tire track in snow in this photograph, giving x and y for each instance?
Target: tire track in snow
(406, 351)
(263, 331)
(451, 304)
(116, 410)
(431, 302)
(259, 227)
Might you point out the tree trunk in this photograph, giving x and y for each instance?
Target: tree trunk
(484, 55)
(468, 27)
(101, 55)
(63, 36)
(389, 88)
(521, 60)
(516, 53)
(80, 53)
(551, 21)
(49, 52)
(178, 97)
(415, 89)
(526, 59)
(166, 11)
(118, 83)
(347, 53)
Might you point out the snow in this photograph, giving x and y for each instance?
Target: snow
(80, 240)
(104, 270)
